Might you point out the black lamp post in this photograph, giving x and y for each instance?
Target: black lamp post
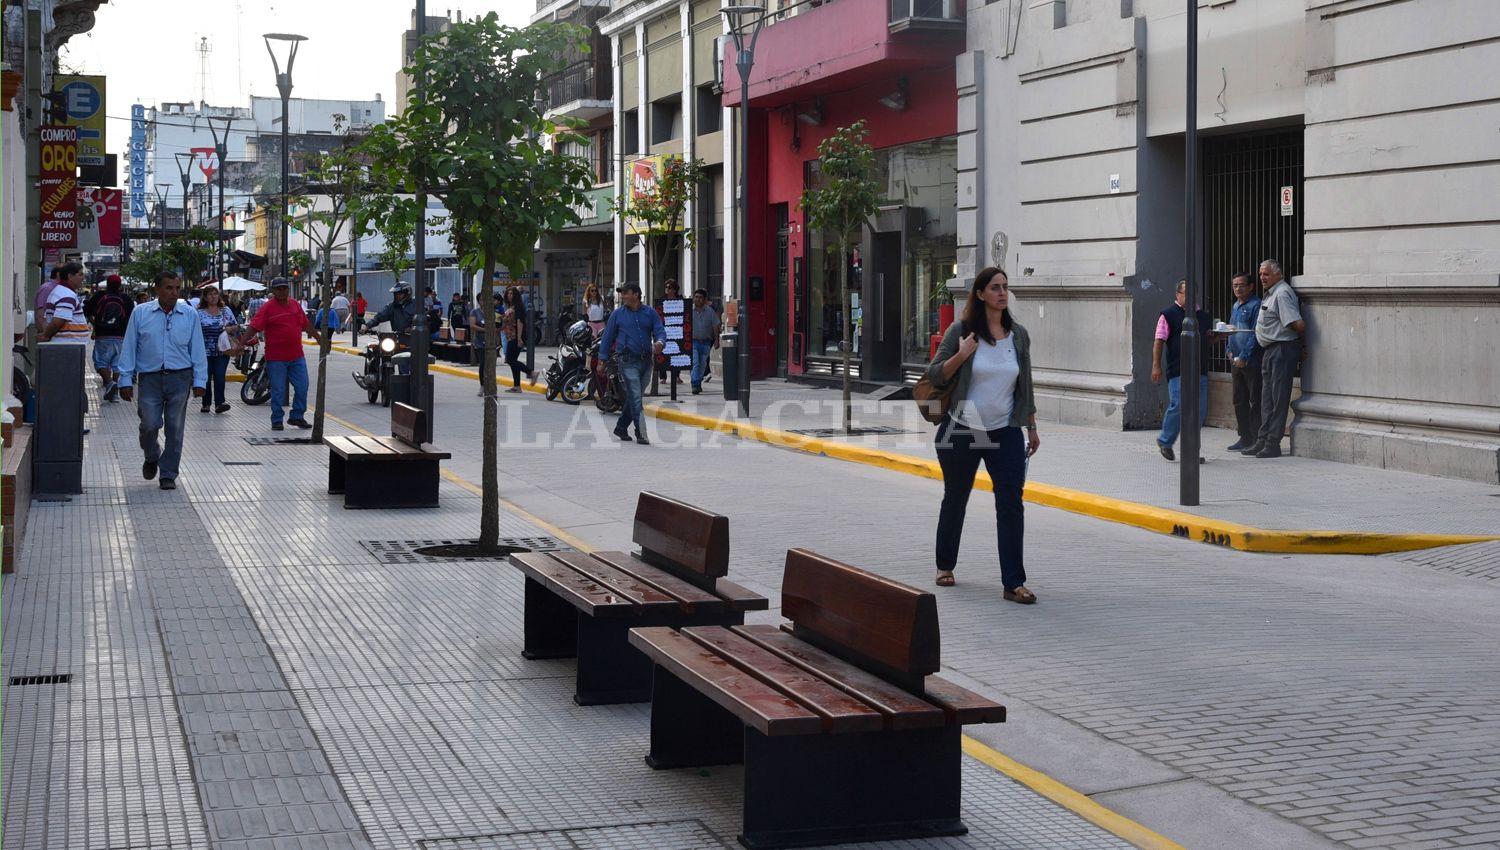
(163, 190)
(1192, 366)
(745, 23)
(221, 148)
(417, 396)
(185, 173)
(284, 86)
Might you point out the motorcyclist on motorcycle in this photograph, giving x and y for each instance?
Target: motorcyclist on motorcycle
(401, 313)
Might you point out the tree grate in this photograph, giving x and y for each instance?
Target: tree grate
(405, 551)
(49, 679)
(279, 441)
(867, 431)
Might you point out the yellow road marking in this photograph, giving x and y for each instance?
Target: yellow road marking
(1201, 529)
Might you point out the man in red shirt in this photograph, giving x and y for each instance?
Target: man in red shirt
(283, 322)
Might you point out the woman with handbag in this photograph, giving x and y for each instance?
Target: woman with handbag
(217, 320)
(983, 365)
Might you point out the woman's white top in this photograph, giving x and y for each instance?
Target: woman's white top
(596, 312)
(992, 386)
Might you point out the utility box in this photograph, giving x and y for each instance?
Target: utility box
(58, 453)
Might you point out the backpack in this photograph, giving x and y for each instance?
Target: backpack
(110, 317)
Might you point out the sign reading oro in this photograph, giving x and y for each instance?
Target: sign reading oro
(58, 186)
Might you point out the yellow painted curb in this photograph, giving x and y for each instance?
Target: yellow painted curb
(1138, 514)
(1074, 801)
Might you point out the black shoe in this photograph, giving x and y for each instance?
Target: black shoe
(205, 408)
(300, 423)
(1166, 452)
(623, 434)
(277, 426)
(1254, 449)
(1270, 450)
(1237, 446)
(221, 408)
(148, 470)
(168, 484)
(641, 439)
(697, 390)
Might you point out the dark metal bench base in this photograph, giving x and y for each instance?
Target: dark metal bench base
(805, 790)
(374, 481)
(610, 670)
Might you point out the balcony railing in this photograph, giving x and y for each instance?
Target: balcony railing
(577, 83)
(926, 14)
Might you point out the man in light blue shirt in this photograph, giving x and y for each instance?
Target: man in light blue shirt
(641, 336)
(1245, 355)
(164, 355)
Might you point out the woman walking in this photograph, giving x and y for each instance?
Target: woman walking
(513, 326)
(986, 357)
(593, 308)
(216, 319)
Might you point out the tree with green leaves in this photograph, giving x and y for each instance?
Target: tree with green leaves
(476, 140)
(659, 211)
(844, 200)
(187, 254)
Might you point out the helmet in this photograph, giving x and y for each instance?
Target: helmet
(580, 334)
(401, 286)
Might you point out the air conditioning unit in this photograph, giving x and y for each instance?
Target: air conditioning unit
(719, 45)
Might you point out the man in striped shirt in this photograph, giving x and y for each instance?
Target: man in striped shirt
(64, 320)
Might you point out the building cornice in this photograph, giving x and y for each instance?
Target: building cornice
(634, 13)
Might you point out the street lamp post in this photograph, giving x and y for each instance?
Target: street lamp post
(221, 149)
(745, 23)
(185, 173)
(163, 190)
(417, 397)
(1192, 366)
(284, 86)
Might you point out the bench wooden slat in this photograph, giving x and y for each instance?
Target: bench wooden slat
(621, 584)
(579, 590)
(686, 537)
(962, 705)
(841, 711)
(902, 709)
(741, 598)
(344, 446)
(755, 703)
(693, 598)
(874, 618)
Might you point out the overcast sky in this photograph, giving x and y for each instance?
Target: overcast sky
(148, 49)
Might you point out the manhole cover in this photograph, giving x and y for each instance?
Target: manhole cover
(870, 431)
(275, 441)
(422, 551)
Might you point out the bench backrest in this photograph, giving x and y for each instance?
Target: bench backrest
(682, 539)
(408, 424)
(882, 625)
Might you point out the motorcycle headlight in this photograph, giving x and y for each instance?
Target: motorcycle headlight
(388, 346)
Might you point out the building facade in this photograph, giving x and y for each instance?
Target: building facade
(1351, 140)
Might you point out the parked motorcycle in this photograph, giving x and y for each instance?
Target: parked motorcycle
(256, 388)
(609, 396)
(572, 357)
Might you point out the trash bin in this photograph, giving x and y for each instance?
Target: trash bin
(729, 365)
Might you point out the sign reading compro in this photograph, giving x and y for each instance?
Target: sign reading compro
(59, 186)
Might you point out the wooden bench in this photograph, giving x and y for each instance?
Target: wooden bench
(844, 734)
(398, 471)
(584, 605)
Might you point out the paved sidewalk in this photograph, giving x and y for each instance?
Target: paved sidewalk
(246, 673)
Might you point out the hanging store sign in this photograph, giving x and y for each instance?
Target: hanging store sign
(137, 161)
(58, 186)
(103, 208)
(83, 100)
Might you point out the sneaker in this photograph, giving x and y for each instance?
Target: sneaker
(1270, 450)
(1238, 446)
(697, 391)
(1166, 452)
(148, 470)
(300, 423)
(277, 426)
(168, 484)
(221, 408)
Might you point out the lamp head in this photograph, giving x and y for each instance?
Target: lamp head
(744, 18)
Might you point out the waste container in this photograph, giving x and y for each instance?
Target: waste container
(729, 365)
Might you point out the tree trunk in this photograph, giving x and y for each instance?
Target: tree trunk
(325, 342)
(489, 511)
(848, 338)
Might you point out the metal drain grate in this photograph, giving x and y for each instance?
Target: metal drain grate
(869, 431)
(404, 551)
(657, 835)
(276, 441)
(242, 463)
(49, 679)
(51, 497)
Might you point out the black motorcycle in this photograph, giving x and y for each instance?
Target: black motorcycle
(609, 396)
(570, 362)
(380, 364)
(256, 388)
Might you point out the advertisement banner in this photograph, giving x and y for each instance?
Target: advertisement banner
(83, 99)
(137, 161)
(208, 162)
(59, 186)
(103, 207)
(643, 174)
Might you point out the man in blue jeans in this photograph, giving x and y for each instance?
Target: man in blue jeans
(641, 336)
(705, 336)
(165, 357)
(283, 321)
(1169, 341)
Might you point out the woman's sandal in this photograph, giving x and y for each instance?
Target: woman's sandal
(1020, 595)
(946, 580)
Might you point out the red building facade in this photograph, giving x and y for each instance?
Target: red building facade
(825, 68)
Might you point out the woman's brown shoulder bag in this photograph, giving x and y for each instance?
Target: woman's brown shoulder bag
(932, 402)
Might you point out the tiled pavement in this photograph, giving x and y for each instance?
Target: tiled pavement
(1346, 699)
(244, 673)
